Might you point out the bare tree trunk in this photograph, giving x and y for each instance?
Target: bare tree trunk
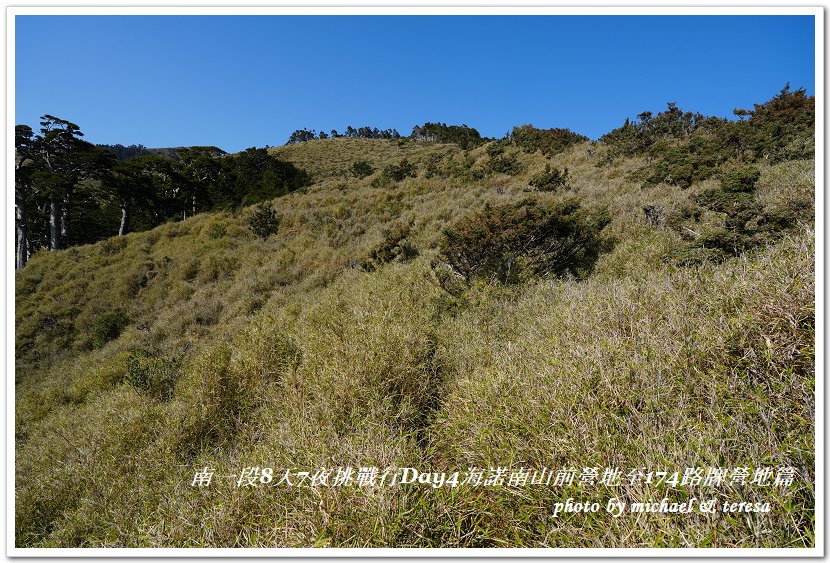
(125, 221)
(54, 227)
(65, 221)
(22, 249)
(194, 205)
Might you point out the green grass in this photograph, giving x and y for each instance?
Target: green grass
(287, 354)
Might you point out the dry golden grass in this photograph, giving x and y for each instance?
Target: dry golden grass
(293, 357)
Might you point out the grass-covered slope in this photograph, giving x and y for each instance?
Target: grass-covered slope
(143, 358)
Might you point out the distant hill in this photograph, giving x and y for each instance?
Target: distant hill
(133, 151)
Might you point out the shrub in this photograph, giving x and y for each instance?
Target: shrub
(153, 375)
(742, 224)
(740, 180)
(361, 169)
(108, 326)
(264, 221)
(548, 141)
(508, 242)
(394, 246)
(549, 180)
(496, 148)
(735, 196)
(505, 164)
(433, 166)
(397, 172)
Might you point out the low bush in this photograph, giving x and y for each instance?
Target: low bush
(361, 169)
(550, 179)
(108, 326)
(397, 172)
(741, 221)
(509, 242)
(548, 141)
(264, 221)
(505, 164)
(395, 245)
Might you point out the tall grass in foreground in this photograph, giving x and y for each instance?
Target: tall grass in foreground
(705, 366)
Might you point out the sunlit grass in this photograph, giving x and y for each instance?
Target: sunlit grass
(288, 355)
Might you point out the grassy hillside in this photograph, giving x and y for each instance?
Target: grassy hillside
(143, 358)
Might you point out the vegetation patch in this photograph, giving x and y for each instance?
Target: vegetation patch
(361, 169)
(399, 171)
(396, 245)
(152, 374)
(108, 326)
(548, 141)
(264, 221)
(550, 180)
(509, 242)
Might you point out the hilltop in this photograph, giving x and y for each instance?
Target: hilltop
(397, 309)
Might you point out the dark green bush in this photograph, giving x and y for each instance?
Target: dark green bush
(108, 326)
(685, 148)
(742, 222)
(397, 172)
(550, 179)
(264, 221)
(505, 164)
(394, 246)
(361, 169)
(510, 242)
(735, 196)
(740, 180)
(548, 141)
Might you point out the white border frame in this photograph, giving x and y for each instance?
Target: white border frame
(461, 7)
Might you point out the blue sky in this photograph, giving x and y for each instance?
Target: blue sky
(241, 81)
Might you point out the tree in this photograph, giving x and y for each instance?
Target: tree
(301, 136)
(65, 160)
(462, 135)
(163, 181)
(130, 185)
(202, 167)
(23, 190)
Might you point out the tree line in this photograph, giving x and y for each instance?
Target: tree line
(462, 135)
(303, 135)
(69, 191)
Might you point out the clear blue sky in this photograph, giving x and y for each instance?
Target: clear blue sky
(241, 81)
